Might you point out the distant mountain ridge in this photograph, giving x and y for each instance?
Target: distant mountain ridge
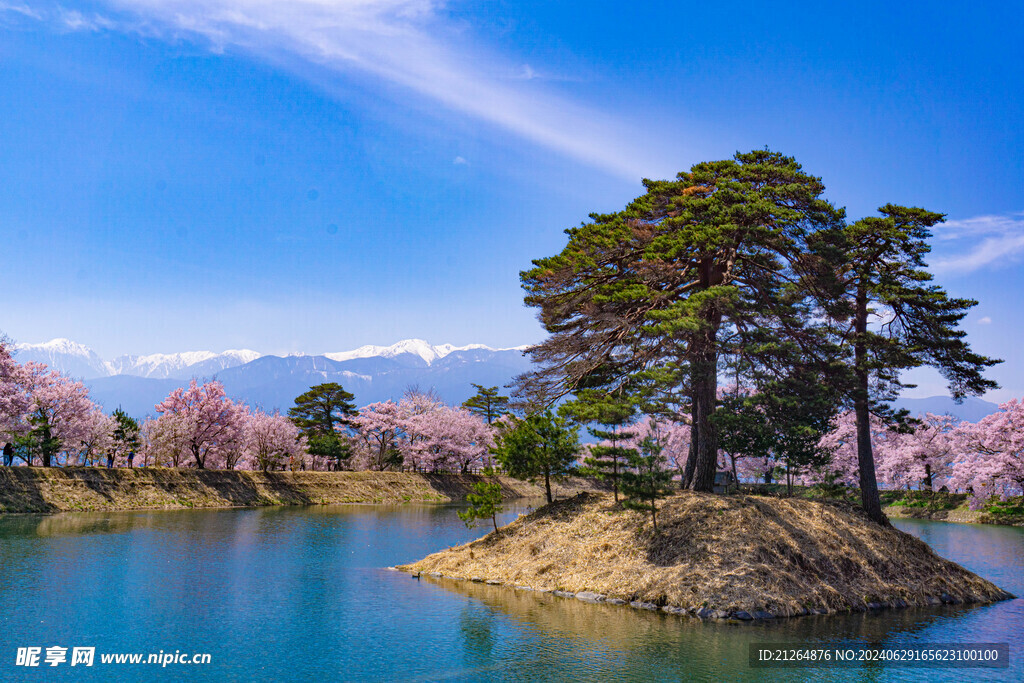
(970, 410)
(372, 373)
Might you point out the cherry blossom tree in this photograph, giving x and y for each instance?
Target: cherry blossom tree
(59, 414)
(380, 431)
(271, 440)
(447, 438)
(422, 433)
(841, 442)
(164, 441)
(904, 459)
(211, 424)
(98, 438)
(922, 457)
(412, 407)
(13, 396)
(992, 460)
(673, 438)
(233, 454)
(758, 468)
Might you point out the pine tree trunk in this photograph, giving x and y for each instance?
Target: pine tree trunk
(865, 456)
(691, 459)
(615, 476)
(547, 483)
(866, 463)
(704, 372)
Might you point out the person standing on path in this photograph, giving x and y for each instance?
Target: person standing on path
(8, 454)
(110, 460)
(131, 456)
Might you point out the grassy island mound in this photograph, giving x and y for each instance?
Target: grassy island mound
(745, 557)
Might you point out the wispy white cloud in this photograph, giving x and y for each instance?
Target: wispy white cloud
(527, 73)
(60, 18)
(73, 20)
(408, 43)
(980, 242)
(460, 161)
(19, 9)
(985, 321)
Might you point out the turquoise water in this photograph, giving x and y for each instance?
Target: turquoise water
(303, 594)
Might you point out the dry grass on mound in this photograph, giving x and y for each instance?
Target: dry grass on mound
(777, 557)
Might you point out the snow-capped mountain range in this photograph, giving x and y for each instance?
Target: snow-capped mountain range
(78, 360)
(412, 347)
(372, 373)
(189, 363)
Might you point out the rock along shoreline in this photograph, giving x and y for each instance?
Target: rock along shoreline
(703, 613)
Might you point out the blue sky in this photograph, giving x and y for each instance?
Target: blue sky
(317, 175)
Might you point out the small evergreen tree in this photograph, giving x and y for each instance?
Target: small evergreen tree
(27, 447)
(486, 502)
(542, 445)
(486, 403)
(613, 412)
(126, 433)
(647, 480)
(785, 418)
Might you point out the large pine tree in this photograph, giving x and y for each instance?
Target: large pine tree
(890, 318)
(321, 414)
(646, 296)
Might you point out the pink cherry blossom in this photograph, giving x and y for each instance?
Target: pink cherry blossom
(61, 408)
(447, 439)
(379, 428)
(920, 459)
(98, 439)
(992, 455)
(208, 423)
(13, 395)
(271, 440)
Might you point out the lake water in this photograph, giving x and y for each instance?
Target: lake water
(303, 594)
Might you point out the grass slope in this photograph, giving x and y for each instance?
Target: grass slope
(65, 489)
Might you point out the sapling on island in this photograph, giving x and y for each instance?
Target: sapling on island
(484, 503)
